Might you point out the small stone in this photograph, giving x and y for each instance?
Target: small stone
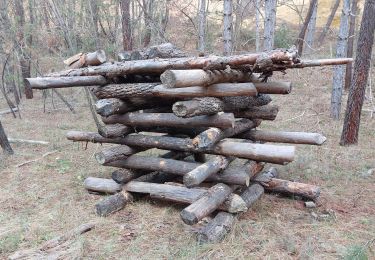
(369, 173)
(310, 204)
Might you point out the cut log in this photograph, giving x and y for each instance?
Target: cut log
(239, 175)
(4, 142)
(202, 172)
(180, 194)
(241, 103)
(157, 90)
(258, 152)
(198, 77)
(165, 50)
(284, 137)
(274, 87)
(207, 204)
(170, 120)
(266, 112)
(64, 82)
(111, 106)
(86, 59)
(115, 130)
(198, 107)
(113, 203)
(115, 153)
(290, 188)
(217, 228)
(101, 185)
(161, 65)
(252, 193)
(212, 136)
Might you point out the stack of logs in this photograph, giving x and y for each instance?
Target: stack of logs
(205, 112)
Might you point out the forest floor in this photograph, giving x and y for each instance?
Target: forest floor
(45, 198)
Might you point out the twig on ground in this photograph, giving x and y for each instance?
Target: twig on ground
(14, 140)
(35, 160)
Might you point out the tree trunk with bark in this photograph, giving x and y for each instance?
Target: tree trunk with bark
(339, 71)
(202, 27)
(329, 22)
(361, 73)
(269, 24)
(198, 107)
(127, 41)
(311, 29)
(4, 143)
(266, 112)
(113, 203)
(216, 230)
(228, 27)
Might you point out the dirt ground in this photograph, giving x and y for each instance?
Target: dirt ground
(45, 198)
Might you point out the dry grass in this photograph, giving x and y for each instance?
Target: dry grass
(43, 199)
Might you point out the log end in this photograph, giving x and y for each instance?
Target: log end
(320, 139)
(100, 158)
(237, 204)
(188, 217)
(179, 109)
(168, 79)
(100, 55)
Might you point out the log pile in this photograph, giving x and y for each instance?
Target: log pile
(206, 113)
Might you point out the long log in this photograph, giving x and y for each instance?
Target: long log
(207, 204)
(284, 137)
(202, 172)
(101, 185)
(170, 120)
(233, 203)
(157, 90)
(216, 230)
(258, 152)
(161, 65)
(64, 82)
(290, 188)
(113, 203)
(266, 112)
(207, 139)
(198, 107)
(115, 153)
(241, 103)
(198, 77)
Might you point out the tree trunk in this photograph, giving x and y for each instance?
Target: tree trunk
(113, 203)
(101, 185)
(217, 228)
(329, 22)
(338, 72)
(301, 37)
(207, 204)
(266, 112)
(4, 143)
(311, 29)
(198, 107)
(228, 27)
(349, 53)
(127, 41)
(257, 25)
(202, 27)
(252, 194)
(269, 24)
(210, 137)
(258, 152)
(170, 120)
(202, 172)
(284, 137)
(94, 11)
(361, 72)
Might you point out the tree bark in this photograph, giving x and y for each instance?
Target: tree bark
(258, 152)
(207, 204)
(168, 119)
(64, 82)
(252, 194)
(301, 37)
(127, 41)
(116, 130)
(329, 22)
(269, 23)
(242, 102)
(115, 153)
(101, 185)
(351, 37)
(228, 27)
(198, 107)
(338, 72)
(202, 27)
(122, 176)
(217, 228)
(202, 172)
(273, 87)
(210, 137)
(113, 203)
(311, 29)
(361, 72)
(233, 203)
(266, 112)
(162, 51)
(4, 143)
(284, 137)
(257, 25)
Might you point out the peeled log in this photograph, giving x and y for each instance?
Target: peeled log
(284, 137)
(273, 87)
(207, 204)
(64, 82)
(181, 194)
(266, 112)
(113, 203)
(198, 77)
(168, 119)
(207, 139)
(258, 152)
(217, 228)
(161, 65)
(101, 185)
(115, 153)
(202, 172)
(198, 107)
